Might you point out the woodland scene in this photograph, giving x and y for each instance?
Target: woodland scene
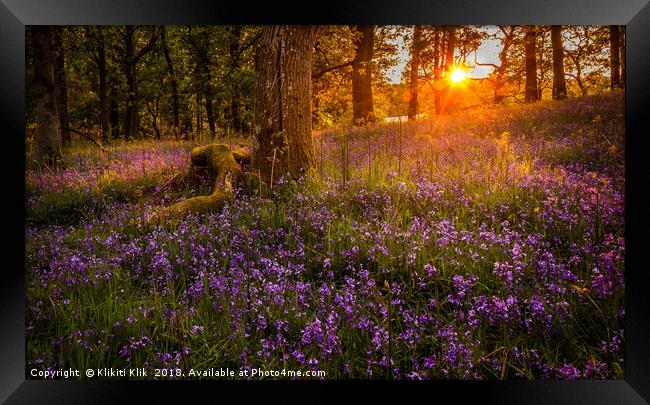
(347, 202)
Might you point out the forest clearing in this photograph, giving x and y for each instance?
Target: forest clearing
(469, 243)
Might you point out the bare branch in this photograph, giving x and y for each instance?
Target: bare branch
(331, 68)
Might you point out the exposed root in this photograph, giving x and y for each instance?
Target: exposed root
(225, 166)
(203, 204)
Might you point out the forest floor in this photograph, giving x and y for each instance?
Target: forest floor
(487, 245)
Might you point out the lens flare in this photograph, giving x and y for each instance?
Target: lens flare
(458, 75)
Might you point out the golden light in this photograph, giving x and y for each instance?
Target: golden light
(458, 75)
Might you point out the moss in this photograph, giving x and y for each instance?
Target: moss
(220, 162)
(242, 155)
(215, 157)
(203, 204)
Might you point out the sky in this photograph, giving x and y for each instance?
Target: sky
(488, 52)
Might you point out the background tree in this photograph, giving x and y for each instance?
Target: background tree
(615, 55)
(199, 41)
(416, 48)
(332, 79)
(621, 47)
(48, 133)
(178, 70)
(362, 103)
(334, 52)
(173, 83)
(499, 75)
(586, 57)
(559, 83)
(282, 128)
(531, 65)
(131, 59)
(61, 83)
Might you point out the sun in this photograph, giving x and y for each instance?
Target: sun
(458, 75)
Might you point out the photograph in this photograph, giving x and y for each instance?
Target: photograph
(325, 202)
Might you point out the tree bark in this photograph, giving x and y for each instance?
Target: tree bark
(61, 87)
(283, 142)
(416, 48)
(532, 94)
(362, 105)
(559, 82)
(540, 52)
(614, 59)
(622, 53)
(48, 132)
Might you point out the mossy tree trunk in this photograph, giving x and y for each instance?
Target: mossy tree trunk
(225, 166)
(283, 142)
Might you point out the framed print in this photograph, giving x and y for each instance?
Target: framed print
(391, 199)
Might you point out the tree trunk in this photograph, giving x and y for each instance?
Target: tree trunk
(104, 113)
(48, 133)
(209, 112)
(204, 79)
(174, 85)
(451, 46)
(540, 52)
(559, 83)
(283, 142)
(132, 125)
(234, 48)
(61, 87)
(187, 129)
(437, 76)
(362, 106)
(531, 65)
(154, 118)
(622, 53)
(444, 98)
(199, 116)
(614, 58)
(114, 113)
(499, 81)
(414, 76)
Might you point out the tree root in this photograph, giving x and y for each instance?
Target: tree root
(225, 166)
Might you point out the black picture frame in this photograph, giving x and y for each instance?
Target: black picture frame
(635, 14)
